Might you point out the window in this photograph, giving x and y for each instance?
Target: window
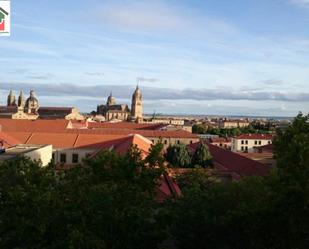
(53, 156)
(242, 148)
(178, 142)
(242, 141)
(74, 158)
(246, 148)
(63, 158)
(260, 142)
(165, 141)
(255, 142)
(191, 142)
(152, 141)
(269, 142)
(246, 141)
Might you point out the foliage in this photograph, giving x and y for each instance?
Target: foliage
(256, 212)
(199, 129)
(109, 202)
(178, 156)
(232, 132)
(202, 156)
(155, 157)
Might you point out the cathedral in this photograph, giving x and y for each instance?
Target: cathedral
(22, 108)
(30, 109)
(114, 112)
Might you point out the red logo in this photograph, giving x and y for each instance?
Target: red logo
(3, 16)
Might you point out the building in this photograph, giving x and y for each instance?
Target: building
(223, 142)
(41, 153)
(114, 112)
(137, 106)
(233, 164)
(68, 113)
(229, 124)
(30, 109)
(73, 141)
(248, 142)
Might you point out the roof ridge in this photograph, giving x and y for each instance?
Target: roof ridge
(76, 139)
(27, 140)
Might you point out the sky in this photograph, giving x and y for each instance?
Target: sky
(240, 57)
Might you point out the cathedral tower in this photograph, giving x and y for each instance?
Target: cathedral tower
(137, 105)
(111, 100)
(21, 100)
(11, 99)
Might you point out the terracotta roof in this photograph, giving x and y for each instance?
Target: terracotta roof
(17, 125)
(124, 125)
(220, 139)
(61, 125)
(228, 161)
(266, 148)
(7, 140)
(145, 133)
(167, 188)
(256, 136)
(123, 144)
(64, 140)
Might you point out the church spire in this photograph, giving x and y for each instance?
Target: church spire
(21, 99)
(11, 99)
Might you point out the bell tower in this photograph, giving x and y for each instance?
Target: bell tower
(11, 99)
(137, 105)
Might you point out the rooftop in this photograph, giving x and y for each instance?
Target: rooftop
(256, 136)
(18, 150)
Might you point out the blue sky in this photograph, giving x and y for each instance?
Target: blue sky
(241, 57)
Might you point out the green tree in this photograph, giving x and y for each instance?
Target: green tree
(178, 156)
(255, 212)
(108, 202)
(199, 129)
(202, 156)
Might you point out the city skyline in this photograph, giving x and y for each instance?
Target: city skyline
(189, 56)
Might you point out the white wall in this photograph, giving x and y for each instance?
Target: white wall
(248, 144)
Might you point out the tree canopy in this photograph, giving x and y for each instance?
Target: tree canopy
(108, 202)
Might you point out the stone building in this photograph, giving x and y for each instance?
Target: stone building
(114, 112)
(137, 106)
(30, 109)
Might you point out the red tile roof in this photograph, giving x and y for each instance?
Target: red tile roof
(7, 140)
(145, 133)
(220, 140)
(266, 148)
(167, 188)
(228, 161)
(256, 136)
(16, 125)
(61, 125)
(124, 125)
(122, 145)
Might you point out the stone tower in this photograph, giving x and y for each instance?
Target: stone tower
(32, 104)
(11, 99)
(21, 100)
(111, 100)
(137, 105)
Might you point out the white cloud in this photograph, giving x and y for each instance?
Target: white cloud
(159, 16)
(302, 3)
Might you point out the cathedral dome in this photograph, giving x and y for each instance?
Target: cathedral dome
(111, 100)
(32, 103)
